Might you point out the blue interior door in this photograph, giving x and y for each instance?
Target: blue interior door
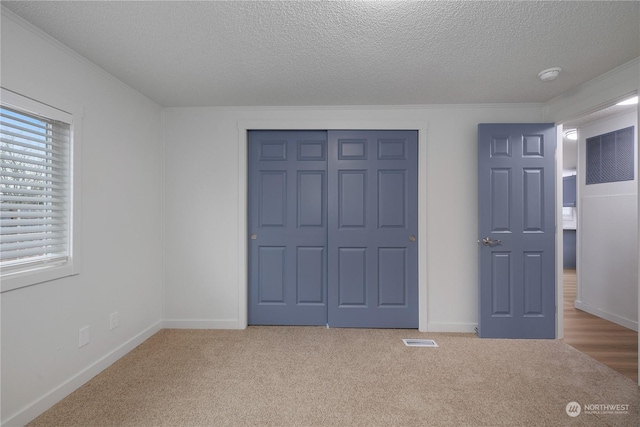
(373, 255)
(516, 224)
(288, 227)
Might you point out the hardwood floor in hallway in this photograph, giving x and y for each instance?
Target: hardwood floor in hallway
(605, 341)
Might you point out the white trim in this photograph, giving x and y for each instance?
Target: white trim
(42, 404)
(10, 98)
(559, 235)
(202, 324)
(627, 323)
(595, 81)
(244, 126)
(601, 92)
(456, 327)
(243, 223)
(423, 227)
(263, 108)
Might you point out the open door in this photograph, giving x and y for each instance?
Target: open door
(516, 225)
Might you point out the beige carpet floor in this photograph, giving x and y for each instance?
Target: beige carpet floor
(313, 376)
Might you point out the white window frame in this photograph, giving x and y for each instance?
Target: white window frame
(15, 278)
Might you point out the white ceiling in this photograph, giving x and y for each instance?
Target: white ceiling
(271, 53)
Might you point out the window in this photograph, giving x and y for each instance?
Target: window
(36, 192)
(610, 157)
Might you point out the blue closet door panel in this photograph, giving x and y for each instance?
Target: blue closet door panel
(392, 277)
(311, 208)
(273, 198)
(312, 151)
(271, 281)
(352, 277)
(569, 248)
(274, 150)
(372, 182)
(392, 203)
(310, 275)
(352, 197)
(287, 228)
(392, 149)
(352, 148)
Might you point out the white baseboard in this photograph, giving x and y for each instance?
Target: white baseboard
(39, 406)
(201, 324)
(607, 316)
(451, 327)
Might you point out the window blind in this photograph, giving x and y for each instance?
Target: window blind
(34, 190)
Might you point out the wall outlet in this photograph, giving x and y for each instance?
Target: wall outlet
(113, 320)
(83, 336)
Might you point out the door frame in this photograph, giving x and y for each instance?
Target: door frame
(243, 194)
(559, 236)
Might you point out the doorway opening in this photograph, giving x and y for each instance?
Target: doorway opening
(605, 330)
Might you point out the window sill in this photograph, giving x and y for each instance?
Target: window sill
(22, 279)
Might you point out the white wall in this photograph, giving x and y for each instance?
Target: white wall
(204, 277)
(608, 236)
(121, 231)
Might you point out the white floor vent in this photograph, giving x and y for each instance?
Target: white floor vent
(419, 343)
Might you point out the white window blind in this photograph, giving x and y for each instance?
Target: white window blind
(35, 190)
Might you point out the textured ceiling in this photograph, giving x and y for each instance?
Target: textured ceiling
(245, 53)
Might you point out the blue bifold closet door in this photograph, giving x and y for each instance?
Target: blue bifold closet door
(332, 228)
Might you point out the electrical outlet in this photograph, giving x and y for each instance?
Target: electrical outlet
(113, 320)
(83, 336)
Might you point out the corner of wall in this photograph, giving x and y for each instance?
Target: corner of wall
(163, 159)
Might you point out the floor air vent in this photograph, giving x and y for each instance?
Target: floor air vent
(419, 343)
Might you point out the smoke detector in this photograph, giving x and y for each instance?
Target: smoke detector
(549, 74)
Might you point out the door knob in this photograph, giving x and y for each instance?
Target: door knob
(412, 238)
(488, 241)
